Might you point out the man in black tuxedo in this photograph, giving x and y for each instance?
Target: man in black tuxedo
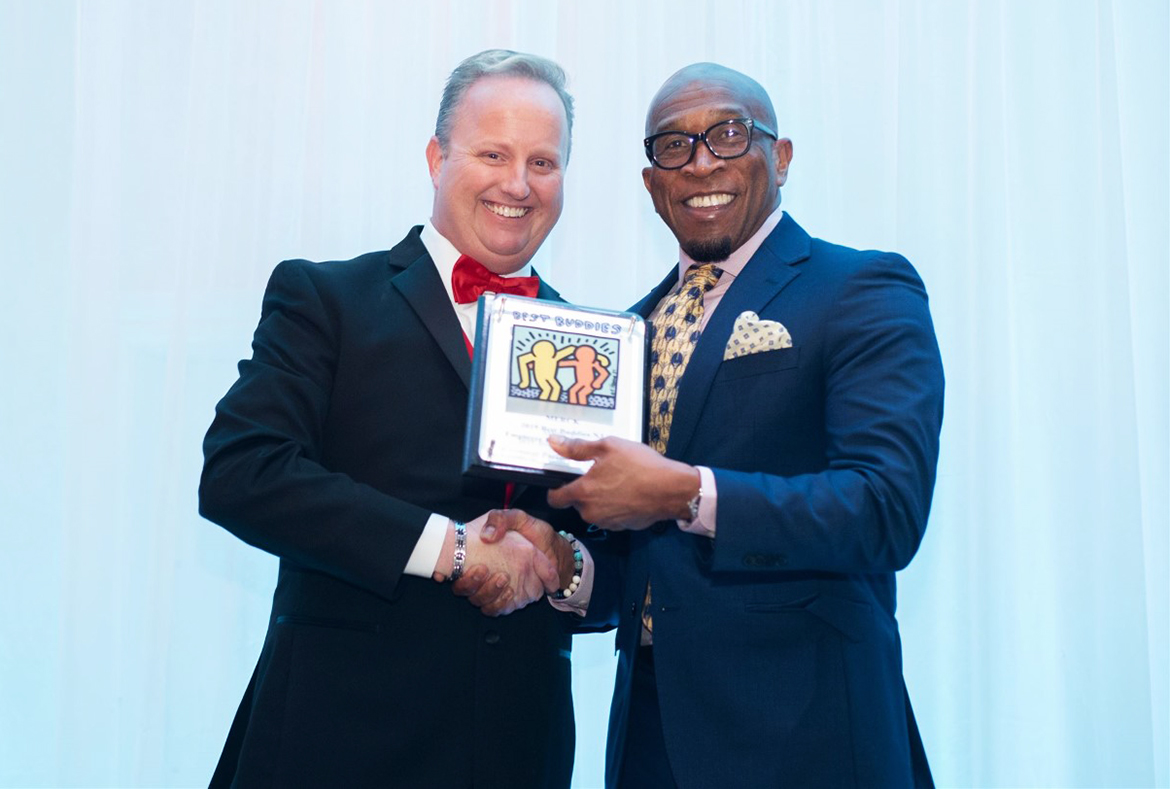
(339, 451)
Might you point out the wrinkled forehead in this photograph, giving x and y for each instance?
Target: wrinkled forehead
(707, 100)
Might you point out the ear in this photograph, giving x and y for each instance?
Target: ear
(646, 173)
(783, 151)
(434, 160)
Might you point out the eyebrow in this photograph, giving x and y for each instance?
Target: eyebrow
(509, 147)
(729, 112)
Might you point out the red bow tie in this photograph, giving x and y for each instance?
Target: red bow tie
(469, 280)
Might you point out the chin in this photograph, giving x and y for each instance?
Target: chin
(708, 250)
(508, 262)
(504, 252)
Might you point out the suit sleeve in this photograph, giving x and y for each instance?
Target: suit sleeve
(609, 551)
(263, 478)
(865, 509)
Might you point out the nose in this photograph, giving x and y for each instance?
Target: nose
(515, 183)
(703, 162)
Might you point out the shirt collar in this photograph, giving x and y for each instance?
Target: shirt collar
(739, 258)
(444, 254)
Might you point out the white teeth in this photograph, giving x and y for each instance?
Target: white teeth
(709, 201)
(509, 211)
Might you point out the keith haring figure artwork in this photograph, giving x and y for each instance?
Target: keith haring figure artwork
(563, 367)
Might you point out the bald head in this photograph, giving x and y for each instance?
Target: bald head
(714, 202)
(707, 76)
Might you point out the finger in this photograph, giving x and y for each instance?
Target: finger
(490, 591)
(533, 591)
(575, 448)
(471, 581)
(500, 605)
(565, 496)
(540, 580)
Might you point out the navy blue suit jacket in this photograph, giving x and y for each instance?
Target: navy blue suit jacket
(775, 645)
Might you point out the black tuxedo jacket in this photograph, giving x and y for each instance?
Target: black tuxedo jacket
(776, 651)
(341, 436)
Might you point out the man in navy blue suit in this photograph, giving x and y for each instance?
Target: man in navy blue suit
(796, 401)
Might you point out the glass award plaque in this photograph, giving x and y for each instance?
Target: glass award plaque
(545, 368)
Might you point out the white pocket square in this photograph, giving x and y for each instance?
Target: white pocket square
(752, 335)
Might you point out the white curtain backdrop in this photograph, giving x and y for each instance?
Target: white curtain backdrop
(157, 159)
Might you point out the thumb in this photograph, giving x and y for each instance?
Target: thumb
(575, 448)
(500, 522)
(536, 531)
(546, 571)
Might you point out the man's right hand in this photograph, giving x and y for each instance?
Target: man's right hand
(505, 570)
(487, 591)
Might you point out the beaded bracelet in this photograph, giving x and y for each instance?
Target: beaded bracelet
(578, 564)
(460, 551)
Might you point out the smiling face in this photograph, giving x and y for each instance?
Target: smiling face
(714, 205)
(499, 183)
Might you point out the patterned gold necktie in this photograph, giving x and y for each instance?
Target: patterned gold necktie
(676, 330)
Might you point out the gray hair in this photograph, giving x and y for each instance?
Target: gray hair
(499, 63)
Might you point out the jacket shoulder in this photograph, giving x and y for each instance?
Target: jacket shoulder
(360, 271)
(847, 261)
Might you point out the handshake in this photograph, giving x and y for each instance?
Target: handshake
(513, 559)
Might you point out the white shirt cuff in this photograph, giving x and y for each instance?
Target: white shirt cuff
(704, 523)
(578, 601)
(425, 555)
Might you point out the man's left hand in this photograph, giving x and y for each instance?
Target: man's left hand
(630, 486)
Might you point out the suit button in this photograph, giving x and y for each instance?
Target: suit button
(658, 528)
(633, 609)
(491, 637)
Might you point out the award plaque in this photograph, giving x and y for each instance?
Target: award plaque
(546, 368)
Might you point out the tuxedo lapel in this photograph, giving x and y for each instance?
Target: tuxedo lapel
(423, 290)
(765, 275)
(546, 292)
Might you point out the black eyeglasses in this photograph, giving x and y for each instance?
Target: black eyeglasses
(672, 150)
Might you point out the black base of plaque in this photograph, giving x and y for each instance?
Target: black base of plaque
(527, 476)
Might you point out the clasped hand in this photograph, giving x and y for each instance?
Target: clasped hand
(512, 560)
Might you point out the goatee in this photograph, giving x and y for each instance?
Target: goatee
(709, 250)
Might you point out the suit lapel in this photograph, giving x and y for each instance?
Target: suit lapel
(546, 292)
(420, 285)
(650, 301)
(765, 275)
(416, 278)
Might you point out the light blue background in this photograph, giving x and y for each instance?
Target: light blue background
(157, 160)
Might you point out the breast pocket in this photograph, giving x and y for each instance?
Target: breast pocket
(769, 392)
(761, 363)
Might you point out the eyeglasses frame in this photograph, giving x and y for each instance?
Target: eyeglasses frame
(751, 123)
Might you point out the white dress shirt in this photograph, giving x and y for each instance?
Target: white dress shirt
(425, 555)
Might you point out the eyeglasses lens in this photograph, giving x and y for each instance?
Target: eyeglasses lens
(726, 140)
